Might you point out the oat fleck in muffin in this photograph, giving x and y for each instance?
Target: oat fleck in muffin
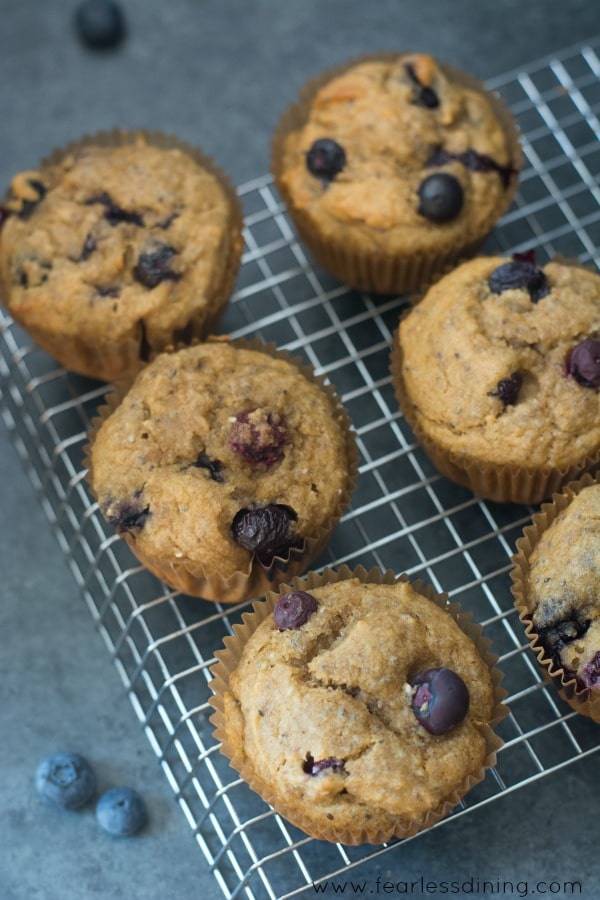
(113, 250)
(224, 467)
(358, 710)
(497, 369)
(394, 166)
(557, 591)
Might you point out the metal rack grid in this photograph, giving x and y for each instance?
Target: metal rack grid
(403, 516)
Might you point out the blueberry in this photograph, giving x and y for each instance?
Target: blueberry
(590, 674)
(424, 96)
(440, 700)
(474, 161)
(89, 245)
(214, 466)
(129, 514)
(113, 213)
(121, 811)
(29, 206)
(100, 24)
(441, 197)
(258, 436)
(152, 268)
(519, 274)
(325, 159)
(65, 779)
(265, 530)
(508, 389)
(294, 609)
(583, 363)
(315, 767)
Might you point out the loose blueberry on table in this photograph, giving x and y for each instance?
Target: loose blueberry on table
(100, 24)
(121, 811)
(440, 700)
(65, 779)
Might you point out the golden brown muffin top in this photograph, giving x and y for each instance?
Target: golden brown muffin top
(322, 712)
(107, 238)
(212, 431)
(563, 588)
(490, 365)
(397, 122)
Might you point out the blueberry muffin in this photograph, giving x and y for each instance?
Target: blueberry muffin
(357, 704)
(497, 370)
(556, 585)
(393, 167)
(117, 247)
(224, 466)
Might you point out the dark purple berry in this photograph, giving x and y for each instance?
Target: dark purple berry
(441, 197)
(440, 700)
(424, 96)
(315, 767)
(4, 214)
(472, 160)
(114, 214)
(129, 516)
(152, 268)
(294, 609)
(590, 674)
(214, 466)
(557, 634)
(325, 159)
(508, 389)
(265, 530)
(519, 275)
(583, 363)
(526, 256)
(100, 24)
(258, 436)
(89, 245)
(107, 290)
(28, 206)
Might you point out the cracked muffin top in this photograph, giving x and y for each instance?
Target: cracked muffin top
(220, 459)
(563, 589)
(397, 153)
(500, 362)
(358, 708)
(110, 253)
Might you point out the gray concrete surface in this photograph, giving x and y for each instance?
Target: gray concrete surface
(218, 73)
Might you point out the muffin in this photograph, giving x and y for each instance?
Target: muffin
(358, 705)
(393, 167)
(556, 585)
(497, 371)
(224, 466)
(118, 246)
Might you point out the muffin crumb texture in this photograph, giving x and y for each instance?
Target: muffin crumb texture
(112, 252)
(563, 589)
(394, 155)
(497, 364)
(220, 457)
(322, 713)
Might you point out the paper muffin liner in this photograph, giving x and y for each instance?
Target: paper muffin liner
(229, 657)
(108, 360)
(583, 700)
(374, 269)
(500, 482)
(200, 581)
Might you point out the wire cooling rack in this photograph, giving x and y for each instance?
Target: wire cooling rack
(403, 516)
